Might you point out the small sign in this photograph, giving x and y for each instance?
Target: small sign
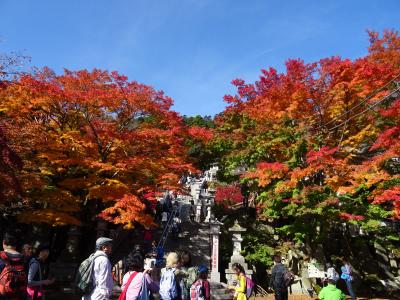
(214, 262)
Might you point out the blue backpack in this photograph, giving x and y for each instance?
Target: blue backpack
(144, 292)
(169, 289)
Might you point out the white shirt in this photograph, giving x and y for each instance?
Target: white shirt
(164, 217)
(102, 278)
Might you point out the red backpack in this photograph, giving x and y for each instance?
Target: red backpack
(13, 278)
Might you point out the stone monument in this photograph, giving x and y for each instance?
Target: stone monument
(237, 256)
(215, 226)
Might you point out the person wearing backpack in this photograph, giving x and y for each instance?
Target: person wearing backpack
(240, 287)
(12, 271)
(170, 278)
(137, 283)
(277, 280)
(200, 289)
(100, 282)
(190, 274)
(347, 271)
(35, 273)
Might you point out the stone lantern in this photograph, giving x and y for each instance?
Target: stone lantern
(237, 256)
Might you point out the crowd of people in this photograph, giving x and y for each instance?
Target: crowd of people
(167, 207)
(330, 291)
(178, 279)
(145, 272)
(281, 279)
(22, 273)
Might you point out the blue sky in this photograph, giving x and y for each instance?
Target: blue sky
(191, 49)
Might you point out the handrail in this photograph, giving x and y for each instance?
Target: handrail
(167, 227)
(259, 290)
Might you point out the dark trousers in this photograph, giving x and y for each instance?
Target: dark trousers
(281, 294)
(350, 289)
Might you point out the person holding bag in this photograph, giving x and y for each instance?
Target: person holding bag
(35, 274)
(137, 283)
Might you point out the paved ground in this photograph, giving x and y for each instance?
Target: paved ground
(304, 297)
(270, 297)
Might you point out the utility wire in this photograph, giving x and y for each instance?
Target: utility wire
(361, 103)
(365, 110)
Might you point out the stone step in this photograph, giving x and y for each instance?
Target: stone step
(220, 291)
(194, 237)
(221, 297)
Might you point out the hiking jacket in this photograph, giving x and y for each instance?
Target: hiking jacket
(331, 292)
(170, 290)
(276, 281)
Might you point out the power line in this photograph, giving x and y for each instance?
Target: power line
(361, 103)
(365, 110)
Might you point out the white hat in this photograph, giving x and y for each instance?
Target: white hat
(102, 241)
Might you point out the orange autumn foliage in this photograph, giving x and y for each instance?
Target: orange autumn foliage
(92, 136)
(333, 123)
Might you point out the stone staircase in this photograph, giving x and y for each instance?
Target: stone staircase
(194, 237)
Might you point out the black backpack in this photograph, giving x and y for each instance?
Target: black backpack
(288, 278)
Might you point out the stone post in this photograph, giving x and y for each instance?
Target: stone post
(214, 230)
(208, 216)
(237, 256)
